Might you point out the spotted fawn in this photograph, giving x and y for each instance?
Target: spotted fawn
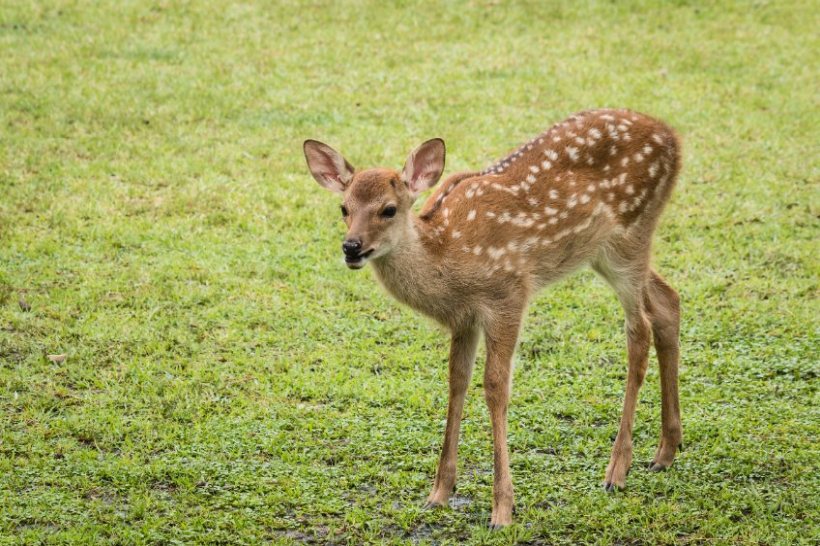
(589, 190)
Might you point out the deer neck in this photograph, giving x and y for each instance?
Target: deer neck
(412, 272)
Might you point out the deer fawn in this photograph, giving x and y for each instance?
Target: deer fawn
(589, 190)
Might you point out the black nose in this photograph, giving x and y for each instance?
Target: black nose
(352, 247)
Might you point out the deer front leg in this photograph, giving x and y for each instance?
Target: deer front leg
(462, 357)
(497, 382)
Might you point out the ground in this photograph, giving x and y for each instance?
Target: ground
(228, 380)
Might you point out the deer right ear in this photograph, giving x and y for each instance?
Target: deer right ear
(327, 166)
(424, 166)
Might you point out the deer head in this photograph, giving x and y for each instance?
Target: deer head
(376, 203)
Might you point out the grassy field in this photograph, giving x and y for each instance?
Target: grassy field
(229, 381)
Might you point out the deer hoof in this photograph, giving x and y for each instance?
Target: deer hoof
(431, 505)
(611, 487)
(657, 467)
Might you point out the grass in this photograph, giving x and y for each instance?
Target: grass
(227, 380)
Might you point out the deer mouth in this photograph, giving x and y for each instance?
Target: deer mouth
(358, 261)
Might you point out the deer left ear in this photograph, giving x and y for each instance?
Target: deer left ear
(424, 166)
(328, 167)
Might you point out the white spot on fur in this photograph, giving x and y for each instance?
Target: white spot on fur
(528, 243)
(471, 215)
(546, 165)
(582, 226)
(553, 194)
(551, 154)
(638, 157)
(534, 169)
(456, 234)
(630, 189)
(495, 253)
(585, 199)
(522, 221)
(549, 211)
(624, 161)
(561, 234)
(531, 178)
(572, 151)
(657, 138)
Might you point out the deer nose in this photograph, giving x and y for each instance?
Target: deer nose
(352, 247)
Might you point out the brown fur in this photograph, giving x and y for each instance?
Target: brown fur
(486, 242)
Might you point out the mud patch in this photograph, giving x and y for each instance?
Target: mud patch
(460, 503)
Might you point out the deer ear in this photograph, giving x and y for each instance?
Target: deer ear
(327, 166)
(424, 166)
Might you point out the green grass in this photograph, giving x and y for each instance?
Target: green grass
(228, 381)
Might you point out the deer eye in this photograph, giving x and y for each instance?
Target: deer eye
(344, 211)
(389, 211)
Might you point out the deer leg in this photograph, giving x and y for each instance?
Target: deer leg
(663, 308)
(628, 277)
(637, 339)
(462, 356)
(501, 342)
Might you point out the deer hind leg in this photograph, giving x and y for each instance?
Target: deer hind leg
(462, 357)
(628, 278)
(663, 308)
